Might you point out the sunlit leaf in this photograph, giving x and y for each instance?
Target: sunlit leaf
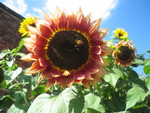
(18, 108)
(11, 75)
(19, 54)
(111, 78)
(3, 53)
(118, 72)
(138, 62)
(10, 62)
(147, 82)
(92, 104)
(134, 95)
(66, 102)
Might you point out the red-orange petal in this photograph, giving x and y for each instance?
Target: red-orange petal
(35, 68)
(29, 57)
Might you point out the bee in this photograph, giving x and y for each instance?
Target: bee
(72, 45)
(78, 44)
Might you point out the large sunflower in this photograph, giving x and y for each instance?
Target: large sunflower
(124, 53)
(121, 33)
(26, 22)
(67, 49)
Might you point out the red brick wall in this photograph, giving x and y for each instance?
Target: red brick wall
(9, 35)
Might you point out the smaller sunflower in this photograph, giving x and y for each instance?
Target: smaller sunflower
(121, 33)
(24, 25)
(124, 53)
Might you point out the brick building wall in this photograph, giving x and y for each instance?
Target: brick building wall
(9, 35)
(9, 25)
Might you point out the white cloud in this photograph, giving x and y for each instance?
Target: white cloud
(37, 10)
(18, 6)
(98, 8)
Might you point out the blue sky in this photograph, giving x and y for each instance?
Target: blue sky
(132, 15)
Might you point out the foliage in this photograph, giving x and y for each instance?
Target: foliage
(122, 90)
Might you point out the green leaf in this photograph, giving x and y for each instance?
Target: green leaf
(3, 53)
(138, 62)
(147, 82)
(18, 108)
(131, 74)
(66, 102)
(148, 51)
(147, 61)
(91, 110)
(28, 80)
(134, 95)
(19, 96)
(92, 104)
(122, 112)
(111, 78)
(118, 72)
(92, 100)
(10, 62)
(21, 43)
(133, 78)
(19, 54)
(5, 101)
(146, 69)
(11, 75)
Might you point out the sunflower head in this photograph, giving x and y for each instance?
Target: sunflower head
(67, 49)
(29, 21)
(124, 53)
(121, 33)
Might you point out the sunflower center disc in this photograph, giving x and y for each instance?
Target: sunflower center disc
(68, 50)
(125, 53)
(120, 35)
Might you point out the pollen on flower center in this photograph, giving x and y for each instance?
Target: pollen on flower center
(124, 53)
(68, 50)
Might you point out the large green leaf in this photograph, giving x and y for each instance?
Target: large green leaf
(147, 82)
(66, 102)
(11, 75)
(134, 95)
(18, 108)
